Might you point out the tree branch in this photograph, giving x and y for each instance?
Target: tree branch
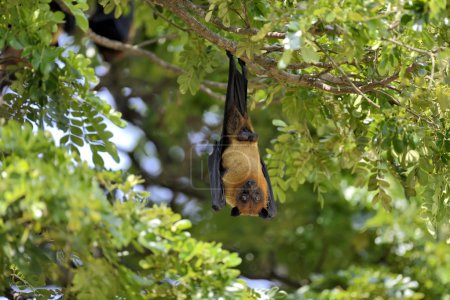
(211, 93)
(233, 29)
(156, 40)
(410, 47)
(346, 77)
(115, 45)
(264, 65)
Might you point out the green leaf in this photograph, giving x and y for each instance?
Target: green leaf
(76, 140)
(80, 19)
(97, 159)
(181, 225)
(373, 183)
(112, 150)
(210, 12)
(64, 139)
(398, 144)
(412, 156)
(330, 17)
(309, 54)
(279, 123)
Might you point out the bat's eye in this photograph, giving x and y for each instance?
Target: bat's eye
(244, 195)
(256, 195)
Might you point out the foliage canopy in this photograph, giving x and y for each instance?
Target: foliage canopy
(350, 99)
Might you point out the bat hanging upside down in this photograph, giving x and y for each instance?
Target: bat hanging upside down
(237, 174)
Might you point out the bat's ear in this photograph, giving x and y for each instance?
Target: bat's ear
(235, 212)
(264, 213)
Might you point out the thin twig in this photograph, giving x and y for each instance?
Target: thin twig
(433, 65)
(211, 93)
(431, 54)
(393, 88)
(233, 29)
(273, 48)
(239, 15)
(346, 76)
(131, 49)
(169, 21)
(409, 47)
(391, 98)
(247, 18)
(394, 25)
(156, 40)
(264, 65)
(63, 7)
(418, 116)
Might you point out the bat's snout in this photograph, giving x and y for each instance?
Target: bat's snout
(249, 184)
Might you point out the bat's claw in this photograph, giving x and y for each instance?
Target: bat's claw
(218, 205)
(264, 213)
(235, 212)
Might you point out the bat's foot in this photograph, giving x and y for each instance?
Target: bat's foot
(264, 213)
(247, 136)
(235, 212)
(218, 205)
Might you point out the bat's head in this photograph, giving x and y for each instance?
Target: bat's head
(251, 199)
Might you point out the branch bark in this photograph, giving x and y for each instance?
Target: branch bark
(263, 65)
(233, 29)
(205, 86)
(347, 78)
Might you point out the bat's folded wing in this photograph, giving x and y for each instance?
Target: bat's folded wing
(271, 205)
(215, 179)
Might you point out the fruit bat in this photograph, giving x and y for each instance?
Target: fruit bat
(113, 28)
(238, 176)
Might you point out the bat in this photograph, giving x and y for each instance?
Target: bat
(237, 174)
(117, 29)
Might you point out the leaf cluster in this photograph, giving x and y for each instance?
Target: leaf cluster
(53, 86)
(53, 225)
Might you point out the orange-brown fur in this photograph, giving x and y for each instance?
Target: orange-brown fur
(241, 162)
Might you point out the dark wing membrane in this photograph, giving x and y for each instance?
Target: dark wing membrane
(271, 205)
(215, 179)
(240, 91)
(236, 91)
